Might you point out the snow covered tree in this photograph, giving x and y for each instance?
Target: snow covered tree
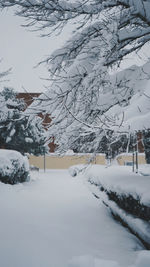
(83, 92)
(17, 131)
(146, 141)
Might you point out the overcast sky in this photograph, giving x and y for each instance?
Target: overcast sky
(22, 50)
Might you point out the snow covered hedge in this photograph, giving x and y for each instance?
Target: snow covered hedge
(14, 168)
(126, 194)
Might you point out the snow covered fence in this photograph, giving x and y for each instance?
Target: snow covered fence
(126, 194)
(54, 161)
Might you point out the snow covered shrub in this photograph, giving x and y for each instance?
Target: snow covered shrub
(127, 197)
(14, 168)
(131, 205)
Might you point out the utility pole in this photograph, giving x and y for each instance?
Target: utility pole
(133, 161)
(136, 154)
(44, 162)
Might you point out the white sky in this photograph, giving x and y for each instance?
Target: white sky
(21, 50)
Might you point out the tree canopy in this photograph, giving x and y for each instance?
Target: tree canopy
(83, 91)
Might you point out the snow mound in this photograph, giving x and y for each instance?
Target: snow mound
(75, 170)
(90, 261)
(143, 259)
(14, 167)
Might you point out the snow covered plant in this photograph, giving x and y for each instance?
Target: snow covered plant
(83, 91)
(17, 131)
(14, 168)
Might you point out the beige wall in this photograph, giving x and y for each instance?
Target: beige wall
(122, 158)
(64, 162)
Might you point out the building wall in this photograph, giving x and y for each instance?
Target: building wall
(28, 98)
(64, 162)
(140, 142)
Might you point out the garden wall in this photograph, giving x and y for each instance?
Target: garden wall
(127, 157)
(64, 162)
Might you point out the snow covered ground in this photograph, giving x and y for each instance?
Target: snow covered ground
(54, 221)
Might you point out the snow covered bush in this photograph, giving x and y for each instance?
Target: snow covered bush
(14, 168)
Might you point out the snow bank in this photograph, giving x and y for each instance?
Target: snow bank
(14, 167)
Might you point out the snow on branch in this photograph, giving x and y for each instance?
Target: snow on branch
(132, 19)
(83, 92)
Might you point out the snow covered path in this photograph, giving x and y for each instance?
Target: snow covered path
(54, 221)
